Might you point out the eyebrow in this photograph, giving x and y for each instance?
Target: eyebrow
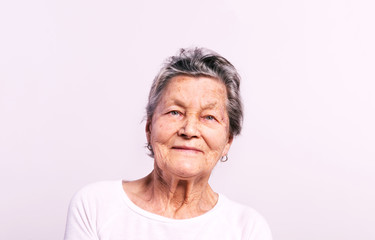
(207, 106)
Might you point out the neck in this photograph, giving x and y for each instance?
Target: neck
(172, 197)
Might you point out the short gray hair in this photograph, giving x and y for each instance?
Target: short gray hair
(200, 62)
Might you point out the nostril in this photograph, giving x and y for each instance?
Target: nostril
(189, 128)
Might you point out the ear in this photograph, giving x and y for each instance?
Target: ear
(148, 130)
(227, 146)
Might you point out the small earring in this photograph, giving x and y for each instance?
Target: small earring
(149, 147)
(224, 158)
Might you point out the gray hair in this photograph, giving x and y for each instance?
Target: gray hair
(200, 62)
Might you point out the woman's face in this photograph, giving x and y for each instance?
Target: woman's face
(189, 131)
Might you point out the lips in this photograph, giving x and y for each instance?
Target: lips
(186, 148)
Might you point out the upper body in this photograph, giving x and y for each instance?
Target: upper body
(104, 211)
(193, 113)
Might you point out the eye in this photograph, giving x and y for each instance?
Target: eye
(174, 113)
(209, 117)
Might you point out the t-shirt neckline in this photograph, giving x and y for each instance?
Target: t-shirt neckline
(153, 216)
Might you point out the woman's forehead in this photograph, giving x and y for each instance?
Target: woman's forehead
(183, 89)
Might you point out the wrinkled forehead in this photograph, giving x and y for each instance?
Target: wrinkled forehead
(208, 92)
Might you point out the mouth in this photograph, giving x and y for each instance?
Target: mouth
(187, 149)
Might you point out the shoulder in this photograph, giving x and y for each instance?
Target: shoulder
(239, 210)
(95, 194)
(251, 221)
(91, 207)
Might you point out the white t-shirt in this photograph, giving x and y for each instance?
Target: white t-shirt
(102, 211)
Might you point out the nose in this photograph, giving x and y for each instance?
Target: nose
(190, 127)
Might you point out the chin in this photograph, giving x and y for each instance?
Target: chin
(184, 166)
(187, 170)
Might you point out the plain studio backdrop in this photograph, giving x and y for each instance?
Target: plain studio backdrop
(74, 80)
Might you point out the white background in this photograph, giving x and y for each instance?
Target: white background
(74, 78)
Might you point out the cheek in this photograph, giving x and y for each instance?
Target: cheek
(161, 131)
(217, 139)
(160, 125)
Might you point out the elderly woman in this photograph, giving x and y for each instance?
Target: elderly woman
(194, 110)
